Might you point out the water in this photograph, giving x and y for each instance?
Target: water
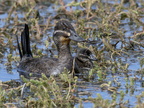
(9, 72)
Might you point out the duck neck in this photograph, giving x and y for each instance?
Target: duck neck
(64, 51)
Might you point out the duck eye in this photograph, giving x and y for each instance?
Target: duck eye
(64, 28)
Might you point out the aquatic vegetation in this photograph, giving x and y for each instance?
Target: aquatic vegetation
(114, 31)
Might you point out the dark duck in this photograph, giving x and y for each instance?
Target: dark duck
(64, 32)
(84, 60)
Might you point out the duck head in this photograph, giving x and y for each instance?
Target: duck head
(86, 53)
(85, 58)
(64, 32)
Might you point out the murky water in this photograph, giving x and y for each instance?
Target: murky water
(9, 72)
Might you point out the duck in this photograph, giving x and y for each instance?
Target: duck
(63, 33)
(84, 60)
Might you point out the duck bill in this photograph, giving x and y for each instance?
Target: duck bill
(75, 37)
(93, 57)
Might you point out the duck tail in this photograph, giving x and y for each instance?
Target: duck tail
(25, 43)
(18, 45)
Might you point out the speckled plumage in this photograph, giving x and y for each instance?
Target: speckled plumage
(84, 60)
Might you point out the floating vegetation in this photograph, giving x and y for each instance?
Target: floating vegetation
(114, 31)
